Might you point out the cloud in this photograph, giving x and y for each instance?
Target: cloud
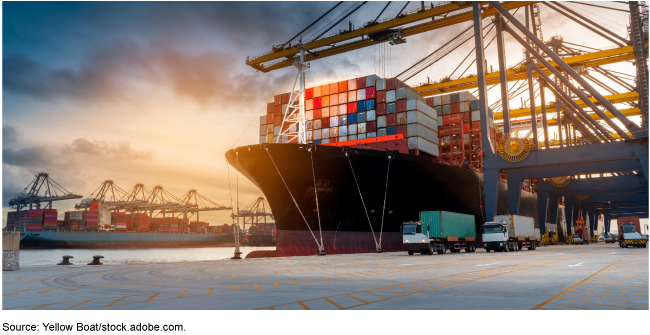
(110, 150)
(9, 134)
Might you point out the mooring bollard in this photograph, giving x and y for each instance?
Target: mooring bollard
(65, 261)
(10, 250)
(96, 260)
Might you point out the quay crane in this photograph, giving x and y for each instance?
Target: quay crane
(51, 191)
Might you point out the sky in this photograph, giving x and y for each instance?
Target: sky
(157, 92)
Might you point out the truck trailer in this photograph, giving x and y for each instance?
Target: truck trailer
(509, 233)
(439, 231)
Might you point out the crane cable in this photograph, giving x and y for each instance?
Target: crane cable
(320, 247)
(383, 211)
(363, 203)
(313, 23)
(311, 153)
(339, 21)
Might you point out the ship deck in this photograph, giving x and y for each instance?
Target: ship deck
(595, 276)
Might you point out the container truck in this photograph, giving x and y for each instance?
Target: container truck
(439, 231)
(629, 232)
(509, 233)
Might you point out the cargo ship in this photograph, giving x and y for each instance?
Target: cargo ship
(354, 129)
(121, 240)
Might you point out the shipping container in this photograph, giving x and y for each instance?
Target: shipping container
(361, 94)
(446, 99)
(326, 122)
(334, 121)
(342, 110)
(309, 115)
(361, 136)
(370, 104)
(423, 145)
(361, 117)
(352, 85)
(401, 119)
(371, 115)
(390, 96)
(309, 104)
(408, 93)
(334, 88)
(263, 120)
(418, 130)
(455, 97)
(343, 121)
(309, 125)
(343, 98)
(403, 130)
(352, 96)
(391, 108)
(361, 106)
(371, 134)
(447, 224)
(352, 107)
(352, 118)
(343, 86)
(391, 121)
(381, 121)
(400, 106)
(342, 138)
(361, 128)
(380, 84)
(334, 132)
(446, 109)
(371, 127)
(518, 226)
(465, 117)
(381, 109)
(629, 219)
(325, 101)
(391, 130)
(318, 113)
(381, 132)
(464, 106)
(476, 116)
(352, 129)
(370, 92)
(325, 133)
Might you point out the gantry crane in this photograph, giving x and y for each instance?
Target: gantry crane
(41, 189)
(255, 212)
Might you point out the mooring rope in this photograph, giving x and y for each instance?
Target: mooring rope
(381, 230)
(294, 200)
(363, 202)
(311, 153)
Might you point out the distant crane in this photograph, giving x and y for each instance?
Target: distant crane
(200, 203)
(31, 195)
(257, 211)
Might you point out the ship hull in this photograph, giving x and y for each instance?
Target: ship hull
(114, 240)
(350, 222)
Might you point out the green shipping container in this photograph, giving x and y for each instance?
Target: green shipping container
(442, 224)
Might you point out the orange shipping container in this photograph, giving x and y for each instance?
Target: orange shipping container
(343, 86)
(334, 88)
(325, 90)
(317, 92)
(325, 112)
(325, 101)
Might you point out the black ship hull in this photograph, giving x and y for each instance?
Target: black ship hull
(283, 172)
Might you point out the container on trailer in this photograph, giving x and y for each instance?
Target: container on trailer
(519, 226)
(446, 224)
(631, 219)
(423, 145)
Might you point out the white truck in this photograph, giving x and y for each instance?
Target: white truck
(509, 233)
(630, 237)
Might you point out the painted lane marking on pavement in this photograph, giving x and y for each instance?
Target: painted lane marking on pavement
(488, 264)
(579, 264)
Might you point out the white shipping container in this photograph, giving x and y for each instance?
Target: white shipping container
(491, 122)
(407, 93)
(361, 94)
(381, 132)
(352, 129)
(276, 130)
(381, 121)
(471, 97)
(318, 124)
(464, 106)
(325, 111)
(440, 120)
(390, 96)
(421, 106)
(380, 84)
(309, 134)
(371, 115)
(343, 109)
(309, 115)
(437, 101)
(371, 134)
(343, 131)
(417, 130)
(334, 132)
(263, 119)
(518, 225)
(421, 118)
(446, 99)
(309, 125)
(361, 128)
(352, 137)
(422, 145)
(325, 133)
(325, 141)
(334, 121)
(476, 116)
(463, 95)
(538, 234)
(343, 138)
(318, 134)
(262, 130)
(262, 139)
(361, 136)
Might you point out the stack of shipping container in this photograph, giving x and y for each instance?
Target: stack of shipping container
(35, 220)
(49, 219)
(17, 220)
(73, 221)
(184, 225)
(459, 128)
(141, 222)
(119, 220)
(172, 224)
(91, 220)
(359, 108)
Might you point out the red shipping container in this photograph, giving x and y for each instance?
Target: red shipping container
(466, 128)
(455, 129)
(476, 125)
(632, 219)
(371, 126)
(465, 117)
(370, 93)
(277, 100)
(455, 108)
(391, 120)
(381, 96)
(334, 139)
(381, 108)
(429, 101)
(325, 122)
(325, 90)
(400, 106)
(309, 93)
(334, 88)
(317, 113)
(352, 107)
(361, 83)
(269, 118)
(343, 86)
(325, 101)
(277, 110)
(445, 120)
(317, 103)
(277, 121)
(393, 83)
(269, 107)
(402, 130)
(285, 98)
(455, 119)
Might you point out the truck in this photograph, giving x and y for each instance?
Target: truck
(629, 232)
(509, 233)
(439, 231)
(580, 237)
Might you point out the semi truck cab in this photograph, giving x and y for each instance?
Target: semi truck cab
(495, 236)
(630, 237)
(415, 236)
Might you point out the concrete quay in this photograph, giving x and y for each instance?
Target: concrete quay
(566, 277)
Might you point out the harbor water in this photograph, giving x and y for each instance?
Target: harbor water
(35, 257)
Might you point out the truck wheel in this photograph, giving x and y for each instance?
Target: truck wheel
(534, 246)
(473, 247)
(430, 251)
(506, 247)
(442, 250)
(410, 252)
(487, 250)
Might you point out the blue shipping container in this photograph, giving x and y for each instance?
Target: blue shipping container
(361, 106)
(474, 105)
(370, 104)
(361, 117)
(352, 118)
(391, 130)
(390, 107)
(317, 142)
